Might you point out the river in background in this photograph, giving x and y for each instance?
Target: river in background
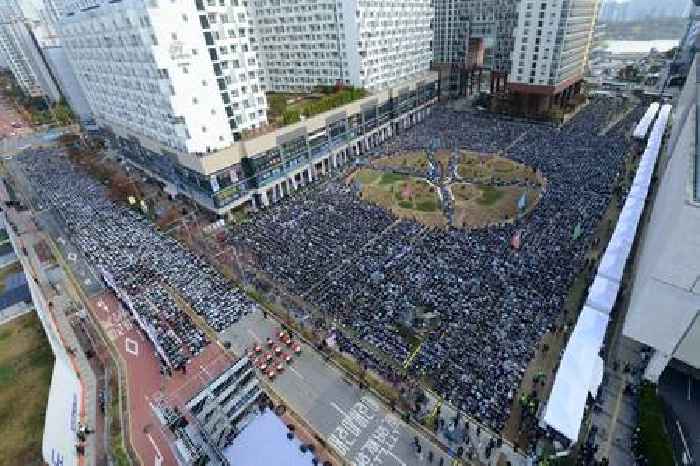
(639, 46)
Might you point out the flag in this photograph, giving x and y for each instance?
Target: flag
(578, 231)
(522, 202)
(515, 240)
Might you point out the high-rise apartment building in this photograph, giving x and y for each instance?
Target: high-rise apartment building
(179, 73)
(552, 42)
(537, 48)
(22, 53)
(372, 44)
(179, 86)
(474, 32)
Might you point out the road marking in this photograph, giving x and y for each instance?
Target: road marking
(255, 337)
(686, 453)
(131, 346)
(398, 460)
(296, 372)
(338, 408)
(409, 360)
(159, 457)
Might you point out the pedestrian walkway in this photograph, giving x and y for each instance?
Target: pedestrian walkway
(56, 308)
(614, 416)
(478, 442)
(7, 259)
(14, 311)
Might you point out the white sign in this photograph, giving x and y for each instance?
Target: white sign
(62, 415)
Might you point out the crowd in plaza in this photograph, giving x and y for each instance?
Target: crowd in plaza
(375, 274)
(147, 266)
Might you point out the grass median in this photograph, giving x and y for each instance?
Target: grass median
(26, 364)
(654, 441)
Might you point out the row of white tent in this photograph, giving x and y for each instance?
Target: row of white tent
(640, 131)
(581, 368)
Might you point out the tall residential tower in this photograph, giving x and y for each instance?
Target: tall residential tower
(370, 44)
(179, 85)
(535, 49)
(21, 51)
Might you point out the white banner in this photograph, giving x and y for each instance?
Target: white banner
(62, 415)
(146, 327)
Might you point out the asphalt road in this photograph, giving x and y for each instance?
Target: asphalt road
(350, 420)
(10, 145)
(681, 392)
(51, 222)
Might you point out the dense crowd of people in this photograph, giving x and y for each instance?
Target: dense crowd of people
(150, 268)
(372, 272)
(375, 274)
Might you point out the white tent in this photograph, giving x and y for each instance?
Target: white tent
(612, 265)
(635, 207)
(641, 183)
(579, 374)
(602, 294)
(640, 131)
(638, 190)
(657, 132)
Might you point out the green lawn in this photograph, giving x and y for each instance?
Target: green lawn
(654, 441)
(489, 195)
(366, 176)
(327, 98)
(26, 363)
(391, 178)
(427, 206)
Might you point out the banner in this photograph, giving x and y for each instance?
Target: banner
(62, 416)
(515, 240)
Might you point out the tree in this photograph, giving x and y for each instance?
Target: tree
(63, 114)
(290, 116)
(121, 187)
(277, 103)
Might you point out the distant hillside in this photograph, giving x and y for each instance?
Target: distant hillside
(636, 10)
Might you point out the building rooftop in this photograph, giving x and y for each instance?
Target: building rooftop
(264, 442)
(665, 300)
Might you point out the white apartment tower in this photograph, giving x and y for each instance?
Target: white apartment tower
(538, 48)
(180, 73)
(178, 86)
(21, 51)
(372, 44)
(552, 41)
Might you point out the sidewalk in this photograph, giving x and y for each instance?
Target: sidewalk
(14, 311)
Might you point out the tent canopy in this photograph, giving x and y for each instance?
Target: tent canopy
(602, 294)
(579, 374)
(264, 442)
(640, 131)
